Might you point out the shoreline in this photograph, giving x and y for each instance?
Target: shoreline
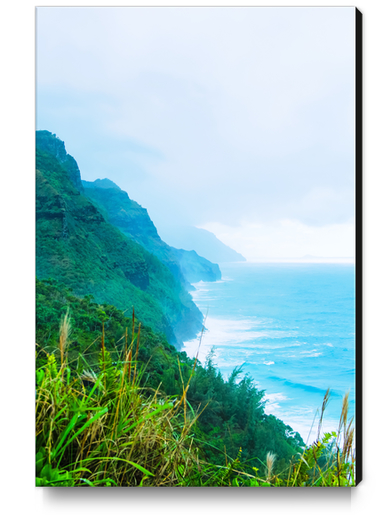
(242, 339)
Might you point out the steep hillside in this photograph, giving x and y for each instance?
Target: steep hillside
(133, 220)
(231, 418)
(76, 245)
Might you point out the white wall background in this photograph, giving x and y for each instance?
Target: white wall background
(17, 299)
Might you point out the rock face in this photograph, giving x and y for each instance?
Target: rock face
(196, 268)
(49, 143)
(78, 246)
(133, 220)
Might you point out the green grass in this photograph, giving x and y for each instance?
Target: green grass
(103, 426)
(104, 429)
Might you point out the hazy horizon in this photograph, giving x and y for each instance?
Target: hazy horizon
(236, 120)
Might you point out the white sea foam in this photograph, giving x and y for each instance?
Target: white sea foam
(274, 345)
(273, 402)
(243, 335)
(274, 397)
(309, 431)
(223, 333)
(310, 353)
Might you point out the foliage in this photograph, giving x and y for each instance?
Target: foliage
(231, 413)
(107, 434)
(78, 247)
(133, 220)
(116, 403)
(229, 428)
(102, 428)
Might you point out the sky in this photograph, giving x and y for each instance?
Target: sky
(236, 120)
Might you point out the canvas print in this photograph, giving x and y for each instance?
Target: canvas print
(198, 258)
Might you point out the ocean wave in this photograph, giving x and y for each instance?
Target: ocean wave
(310, 354)
(302, 386)
(243, 337)
(255, 321)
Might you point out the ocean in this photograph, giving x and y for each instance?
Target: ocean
(292, 328)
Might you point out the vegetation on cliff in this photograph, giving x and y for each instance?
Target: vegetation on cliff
(133, 220)
(117, 405)
(163, 418)
(77, 246)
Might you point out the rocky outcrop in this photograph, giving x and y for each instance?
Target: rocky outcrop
(196, 268)
(49, 143)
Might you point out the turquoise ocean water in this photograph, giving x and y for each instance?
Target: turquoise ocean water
(292, 327)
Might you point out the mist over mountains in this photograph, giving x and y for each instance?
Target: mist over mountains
(133, 221)
(202, 241)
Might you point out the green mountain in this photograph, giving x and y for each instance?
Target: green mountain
(133, 220)
(76, 245)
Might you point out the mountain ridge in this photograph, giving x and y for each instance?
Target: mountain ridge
(134, 221)
(78, 247)
(202, 241)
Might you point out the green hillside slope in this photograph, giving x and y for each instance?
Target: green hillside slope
(133, 220)
(77, 246)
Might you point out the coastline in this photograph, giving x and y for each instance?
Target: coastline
(259, 345)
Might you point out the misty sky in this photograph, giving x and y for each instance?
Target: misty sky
(237, 120)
